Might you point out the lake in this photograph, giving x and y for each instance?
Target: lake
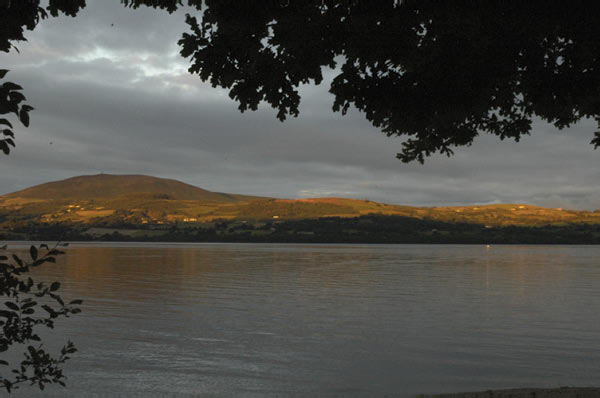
(271, 320)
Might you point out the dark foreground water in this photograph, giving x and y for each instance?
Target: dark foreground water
(252, 320)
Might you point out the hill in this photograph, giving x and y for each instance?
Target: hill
(112, 186)
(103, 204)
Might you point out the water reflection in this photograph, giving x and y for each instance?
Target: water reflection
(329, 320)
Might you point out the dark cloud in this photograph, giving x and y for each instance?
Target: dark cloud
(118, 99)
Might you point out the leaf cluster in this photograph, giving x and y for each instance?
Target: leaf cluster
(11, 102)
(28, 306)
(436, 73)
(168, 5)
(18, 15)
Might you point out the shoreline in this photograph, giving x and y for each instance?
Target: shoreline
(561, 392)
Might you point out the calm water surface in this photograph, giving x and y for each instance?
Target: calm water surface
(253, 320)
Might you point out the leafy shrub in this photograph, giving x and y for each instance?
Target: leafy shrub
(20, 318)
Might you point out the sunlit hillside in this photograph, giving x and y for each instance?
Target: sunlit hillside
(103, 199)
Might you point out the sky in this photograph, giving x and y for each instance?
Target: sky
(112, 95)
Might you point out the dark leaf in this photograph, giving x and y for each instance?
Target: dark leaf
(49, 310)
(596, 140)
(17, 96)
(17, 260)
(4, 147)
(28, 304)
(11, 86)
(39, 262)
(24, 117)
(33, 252)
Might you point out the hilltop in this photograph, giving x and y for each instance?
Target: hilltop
(102, 186)
(104, 203)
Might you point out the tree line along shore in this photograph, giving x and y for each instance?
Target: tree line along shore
(363, 229)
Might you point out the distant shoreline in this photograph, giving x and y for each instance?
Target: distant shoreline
(561, 392)
(360, 230)
(166, 243)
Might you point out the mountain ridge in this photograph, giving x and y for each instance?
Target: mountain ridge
(114, 185)
(134, 199)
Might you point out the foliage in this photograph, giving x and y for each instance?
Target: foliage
(363, 229)
(11, 100)
(20, 319)
(492, 224)
(435, 72)
(15, 16)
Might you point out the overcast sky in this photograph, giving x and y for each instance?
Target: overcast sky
(113, 95)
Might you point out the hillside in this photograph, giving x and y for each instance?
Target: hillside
(103, 186)
(103, 203)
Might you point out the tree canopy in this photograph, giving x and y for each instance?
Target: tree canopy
(436, 73)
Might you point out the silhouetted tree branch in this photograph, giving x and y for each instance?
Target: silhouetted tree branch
(11, 99)
(19, 319)
(437, 73)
